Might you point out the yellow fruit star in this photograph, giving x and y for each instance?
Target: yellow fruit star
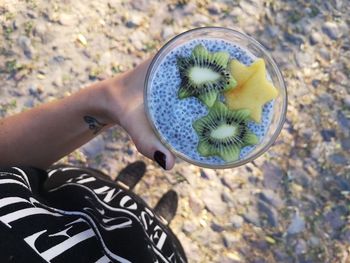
(253, 89)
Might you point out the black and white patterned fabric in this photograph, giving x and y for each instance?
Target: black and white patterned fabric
(71, 214)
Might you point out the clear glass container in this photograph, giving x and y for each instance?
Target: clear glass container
(253, 47)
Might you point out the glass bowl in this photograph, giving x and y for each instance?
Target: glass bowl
(255, 50)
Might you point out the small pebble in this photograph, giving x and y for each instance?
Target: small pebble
(338, 159)
(26, 46)
(297, 225)
(331, 30)
(315, 38)
(67, 19)
(214, 8)
(294, 39)
(315, 83)
(230, 240)
(190, 8)
(272, 175)
(82, 39)
(228, 199)
(134, 21)
(31, 14)
(272, 198)
(336, 217)
(343, 120)
(209, 174)
(300, 176)
(346, 236)
(167, 32)
(324, 53)
(272, 30)
(216, 227)
(141, 5)
(268, 212)
(252, 216)
(42, 31)
(346, 101)
(237, 221)
(94, 147)
(327, 135)
(300, 247)
(314, 241)
(282, 256)
(189, 227)
(213, 202)
(345, 144)
(195, 204)
(29, 103)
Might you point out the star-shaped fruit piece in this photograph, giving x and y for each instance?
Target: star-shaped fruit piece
(224, 132)
(204, 75)
(253, 89)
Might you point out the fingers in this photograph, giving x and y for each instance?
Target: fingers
(145, 139)
(135, 122)
(149, 145)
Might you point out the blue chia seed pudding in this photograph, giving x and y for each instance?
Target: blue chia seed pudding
(173, 117)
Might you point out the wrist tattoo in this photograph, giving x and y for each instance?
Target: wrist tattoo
(94, 124)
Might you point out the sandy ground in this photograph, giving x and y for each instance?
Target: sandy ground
(289, 205)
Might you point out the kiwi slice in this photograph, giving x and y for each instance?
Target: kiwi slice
(224, 132)
(204, 75)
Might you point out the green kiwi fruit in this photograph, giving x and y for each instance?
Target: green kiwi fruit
(224, 132)
(204, 75)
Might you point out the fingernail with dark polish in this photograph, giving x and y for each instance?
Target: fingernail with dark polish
(160, 158)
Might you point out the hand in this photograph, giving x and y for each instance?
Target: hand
(127, 109)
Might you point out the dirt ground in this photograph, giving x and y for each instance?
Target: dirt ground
(290, 205)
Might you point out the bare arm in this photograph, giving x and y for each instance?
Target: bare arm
(42, 135)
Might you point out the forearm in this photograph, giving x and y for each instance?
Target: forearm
(41, 136)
